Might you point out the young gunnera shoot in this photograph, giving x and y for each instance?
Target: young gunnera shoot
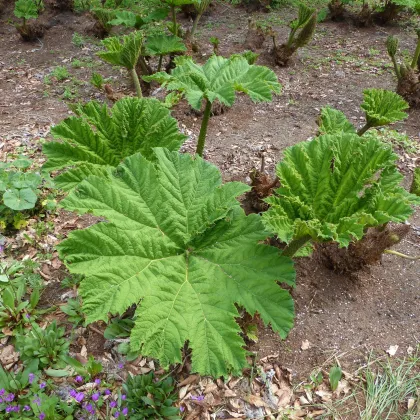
(217, 80)
(174, 238)
(98, 138)
(333, 188)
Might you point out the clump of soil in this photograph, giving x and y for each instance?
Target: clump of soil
(282, 54)
(363, 253)
(254, 38)
(388, 14)
(365, 17)
(31, 31)
(337, 10)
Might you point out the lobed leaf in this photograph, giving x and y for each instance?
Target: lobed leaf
(177, 244)
(333, 121)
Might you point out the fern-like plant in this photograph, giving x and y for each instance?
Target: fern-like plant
(124, 52)
(333, 188)
(98, 139)
(177, 244)
(301, 32)
(218, 79)
(381, 107)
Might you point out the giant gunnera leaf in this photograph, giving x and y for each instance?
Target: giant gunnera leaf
(177, 244)
(334, 187)
(100, 138)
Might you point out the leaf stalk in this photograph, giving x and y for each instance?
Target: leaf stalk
(295, 245)
(203, 129)
(136, 82)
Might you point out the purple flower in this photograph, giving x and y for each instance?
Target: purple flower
(2, 391)
(97, 381)
(26, 408)
(90, 409)
(113, 404)
(117, 414)
(125, 411)
(73, 393)
(27, 316)
(197, 398)
(107, 392)
(42, 416)
(120, 365)
(182, 409)
(1, 248)
(78, 379)
(37, 401)
(123, 397)
(9, 408)
(95, 396)
(31, 377)
(79, 396)
(10, 397)
(42, 385)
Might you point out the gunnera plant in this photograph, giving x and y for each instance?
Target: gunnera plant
(28, 11)
(302, 31)
(408, 74)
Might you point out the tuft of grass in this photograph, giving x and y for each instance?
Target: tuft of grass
(60, 73)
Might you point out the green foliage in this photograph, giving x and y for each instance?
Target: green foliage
(163, 45)
(218, 79)
(123, 51)
(302, 28)
(415, 186)
(334, 187)
(104, 18)
(97, 81)
(383, 107)
(26, 9)
(151, 399)
(133, 20)
(73, 310)
(90, 370)
(48, 345)
(174, 238)
(335, 375)
(333, 121)
(100, 138)
(19, 191)
(60, 73)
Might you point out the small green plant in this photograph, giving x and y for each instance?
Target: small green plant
(78, 40)
(103, 19)
(174, 28)
(97, 81)
(132, 125)
(215, 42)
(174, 237)
(26, 10)
(73, 310)
(333, 188)
(19, 192)
(161, 45)
(149, 398)
(408, 74)
(415, 186)
(218, 79)
(60, 73)
(76, 63)
(335, 375)
(124, 52)
(48, 346)
(302, 30)
(68, 94)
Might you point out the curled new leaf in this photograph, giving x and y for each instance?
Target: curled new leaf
(177, 244)
(334, 187)
(100, 138)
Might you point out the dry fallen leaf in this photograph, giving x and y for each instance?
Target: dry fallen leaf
(392, 350)
(305, 345)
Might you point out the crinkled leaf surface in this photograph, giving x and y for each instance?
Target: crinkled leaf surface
(100, 138)
(335, 186)
(22, 199)
(177, 244)
(219, 78)
(383, 107)
(164, 44)
(334, 121)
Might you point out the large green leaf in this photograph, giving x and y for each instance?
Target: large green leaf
(383, 107)
(164, 44)
(219, 78)
(333, 121)
(26, 9)
(100, 138)
(335, 186)
(177, 244)
(18, 200)
(124, 51)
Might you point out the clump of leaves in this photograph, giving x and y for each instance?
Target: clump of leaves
(133, 20)
(381, 107)
(217, 80)
(26, 10)
(161, 45)
(48, 345)
(148, 398)
(97, 81)
(214, 41)
(408, 74)
(415, 186)
(302, 30)
(333, 188)
(19, 192)
(174, 237)
(73, 310)
(103, 18)
(124, 52)
(99, 138)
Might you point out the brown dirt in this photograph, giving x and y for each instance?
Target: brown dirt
(335, 314)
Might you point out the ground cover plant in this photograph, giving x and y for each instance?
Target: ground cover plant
(163, 286)
(27, 10)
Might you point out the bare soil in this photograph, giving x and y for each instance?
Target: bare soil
(339, 316)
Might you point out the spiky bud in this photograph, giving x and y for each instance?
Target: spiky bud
(392, 46)
(306, 33)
